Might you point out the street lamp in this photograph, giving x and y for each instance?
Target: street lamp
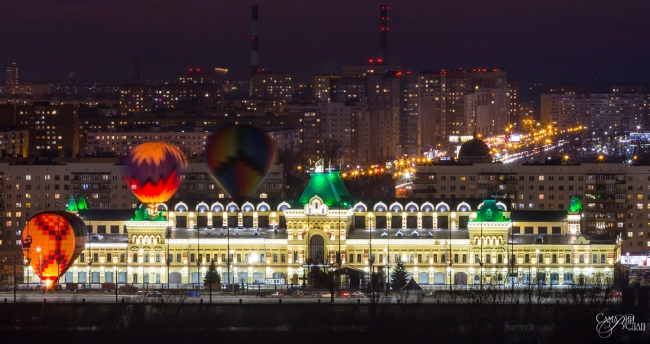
(58, 244)
(40, 266)
(115, 277)
(198, 255)
(231, 254)
(537, 272)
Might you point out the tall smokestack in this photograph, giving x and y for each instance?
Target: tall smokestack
(383, 35)
(254, 54)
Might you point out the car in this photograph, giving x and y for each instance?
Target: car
(358, 294)
(277, 294)
(615, 294)
(345, 294)
(326, 294)
(194, 294)
(298, 294)
(318, 294)
(128, 289)
(261, 294)
(154, 294)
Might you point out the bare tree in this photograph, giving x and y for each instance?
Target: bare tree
(331, 150)
(328, 275)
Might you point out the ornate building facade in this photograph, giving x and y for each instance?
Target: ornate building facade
(273, 241)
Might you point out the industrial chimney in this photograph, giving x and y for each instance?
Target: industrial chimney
(254, 54)
(383, 35)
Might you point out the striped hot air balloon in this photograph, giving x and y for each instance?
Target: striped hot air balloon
(239, 157)
(53, 241)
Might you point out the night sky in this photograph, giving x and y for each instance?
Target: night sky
(548, 41)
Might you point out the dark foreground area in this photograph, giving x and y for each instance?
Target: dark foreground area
(312, 323)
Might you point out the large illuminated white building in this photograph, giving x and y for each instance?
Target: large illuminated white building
(442, 241)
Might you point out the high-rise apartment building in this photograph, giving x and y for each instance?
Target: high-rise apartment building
(320, 87)
(621, 110)
(195, 91)
(11, 74)
(272, 85)
(372, 67)
(513, 93)
(52, 129)
(372, 137)
(14, 142)
(337, 130)
(616, 197)
(432, 111)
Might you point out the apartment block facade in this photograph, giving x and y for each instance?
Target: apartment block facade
(616, 197)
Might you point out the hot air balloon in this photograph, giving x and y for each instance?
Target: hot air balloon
(52, 241)
(239, 157)
(153, 172)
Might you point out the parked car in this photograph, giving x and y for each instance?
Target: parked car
(358, 294)
(261, 294)
(194, 294)
(345, 294)
(318, 294)
(615, 294)
(298, 293)
(128, 289)
(154, 294)
(326, 294)
(277, 294)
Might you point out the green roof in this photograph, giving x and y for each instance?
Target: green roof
(141, 214)
(72, 205)
(489, 212)
(329, 187)
(82, 203)
(575, 205)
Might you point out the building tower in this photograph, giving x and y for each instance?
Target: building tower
(574, 216)
(383, 35)
(11, 74)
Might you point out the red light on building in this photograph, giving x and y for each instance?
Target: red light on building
(190, 69)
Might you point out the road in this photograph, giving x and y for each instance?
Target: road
(67, 297)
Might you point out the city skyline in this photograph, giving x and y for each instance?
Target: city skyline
(549, 43)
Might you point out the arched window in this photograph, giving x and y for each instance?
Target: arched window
(317, 249)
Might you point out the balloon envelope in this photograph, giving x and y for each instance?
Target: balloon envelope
(153, 171)
(239, 157)
(53, 241)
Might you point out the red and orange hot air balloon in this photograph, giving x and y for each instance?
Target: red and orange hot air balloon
(153, 172)
(53, 241)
